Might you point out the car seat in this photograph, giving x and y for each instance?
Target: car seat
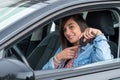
(103, 21)
(44, 51)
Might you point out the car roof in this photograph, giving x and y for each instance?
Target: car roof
(31, 2)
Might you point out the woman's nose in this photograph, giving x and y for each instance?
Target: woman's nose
(67, 32)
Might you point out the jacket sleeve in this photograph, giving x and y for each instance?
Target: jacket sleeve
(101, 49)
(50, 63)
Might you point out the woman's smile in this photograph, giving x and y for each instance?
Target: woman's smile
(72, 31)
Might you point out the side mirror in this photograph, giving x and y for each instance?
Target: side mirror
(12, 69)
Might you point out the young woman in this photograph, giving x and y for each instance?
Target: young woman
(80, 45)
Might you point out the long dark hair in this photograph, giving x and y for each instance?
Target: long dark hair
(79, 20)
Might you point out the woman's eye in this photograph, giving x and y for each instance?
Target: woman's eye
(71, 27)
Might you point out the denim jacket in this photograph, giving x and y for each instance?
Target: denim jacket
(99, 50)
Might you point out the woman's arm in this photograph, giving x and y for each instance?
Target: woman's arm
(101, 49)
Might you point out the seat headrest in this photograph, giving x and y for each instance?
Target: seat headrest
(101, 20)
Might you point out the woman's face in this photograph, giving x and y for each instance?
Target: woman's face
(72, 31)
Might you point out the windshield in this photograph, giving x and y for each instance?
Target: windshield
(13, 10)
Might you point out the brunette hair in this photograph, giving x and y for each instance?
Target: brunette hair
(79, 20)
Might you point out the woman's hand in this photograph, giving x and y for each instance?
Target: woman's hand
(68, 53)
(90, 33)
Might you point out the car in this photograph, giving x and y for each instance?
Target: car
(29, 37)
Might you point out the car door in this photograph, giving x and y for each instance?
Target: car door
(105, 70)
(51, 12)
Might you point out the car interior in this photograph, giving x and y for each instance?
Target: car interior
(40, 50)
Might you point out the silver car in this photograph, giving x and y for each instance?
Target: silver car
(29, 37)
